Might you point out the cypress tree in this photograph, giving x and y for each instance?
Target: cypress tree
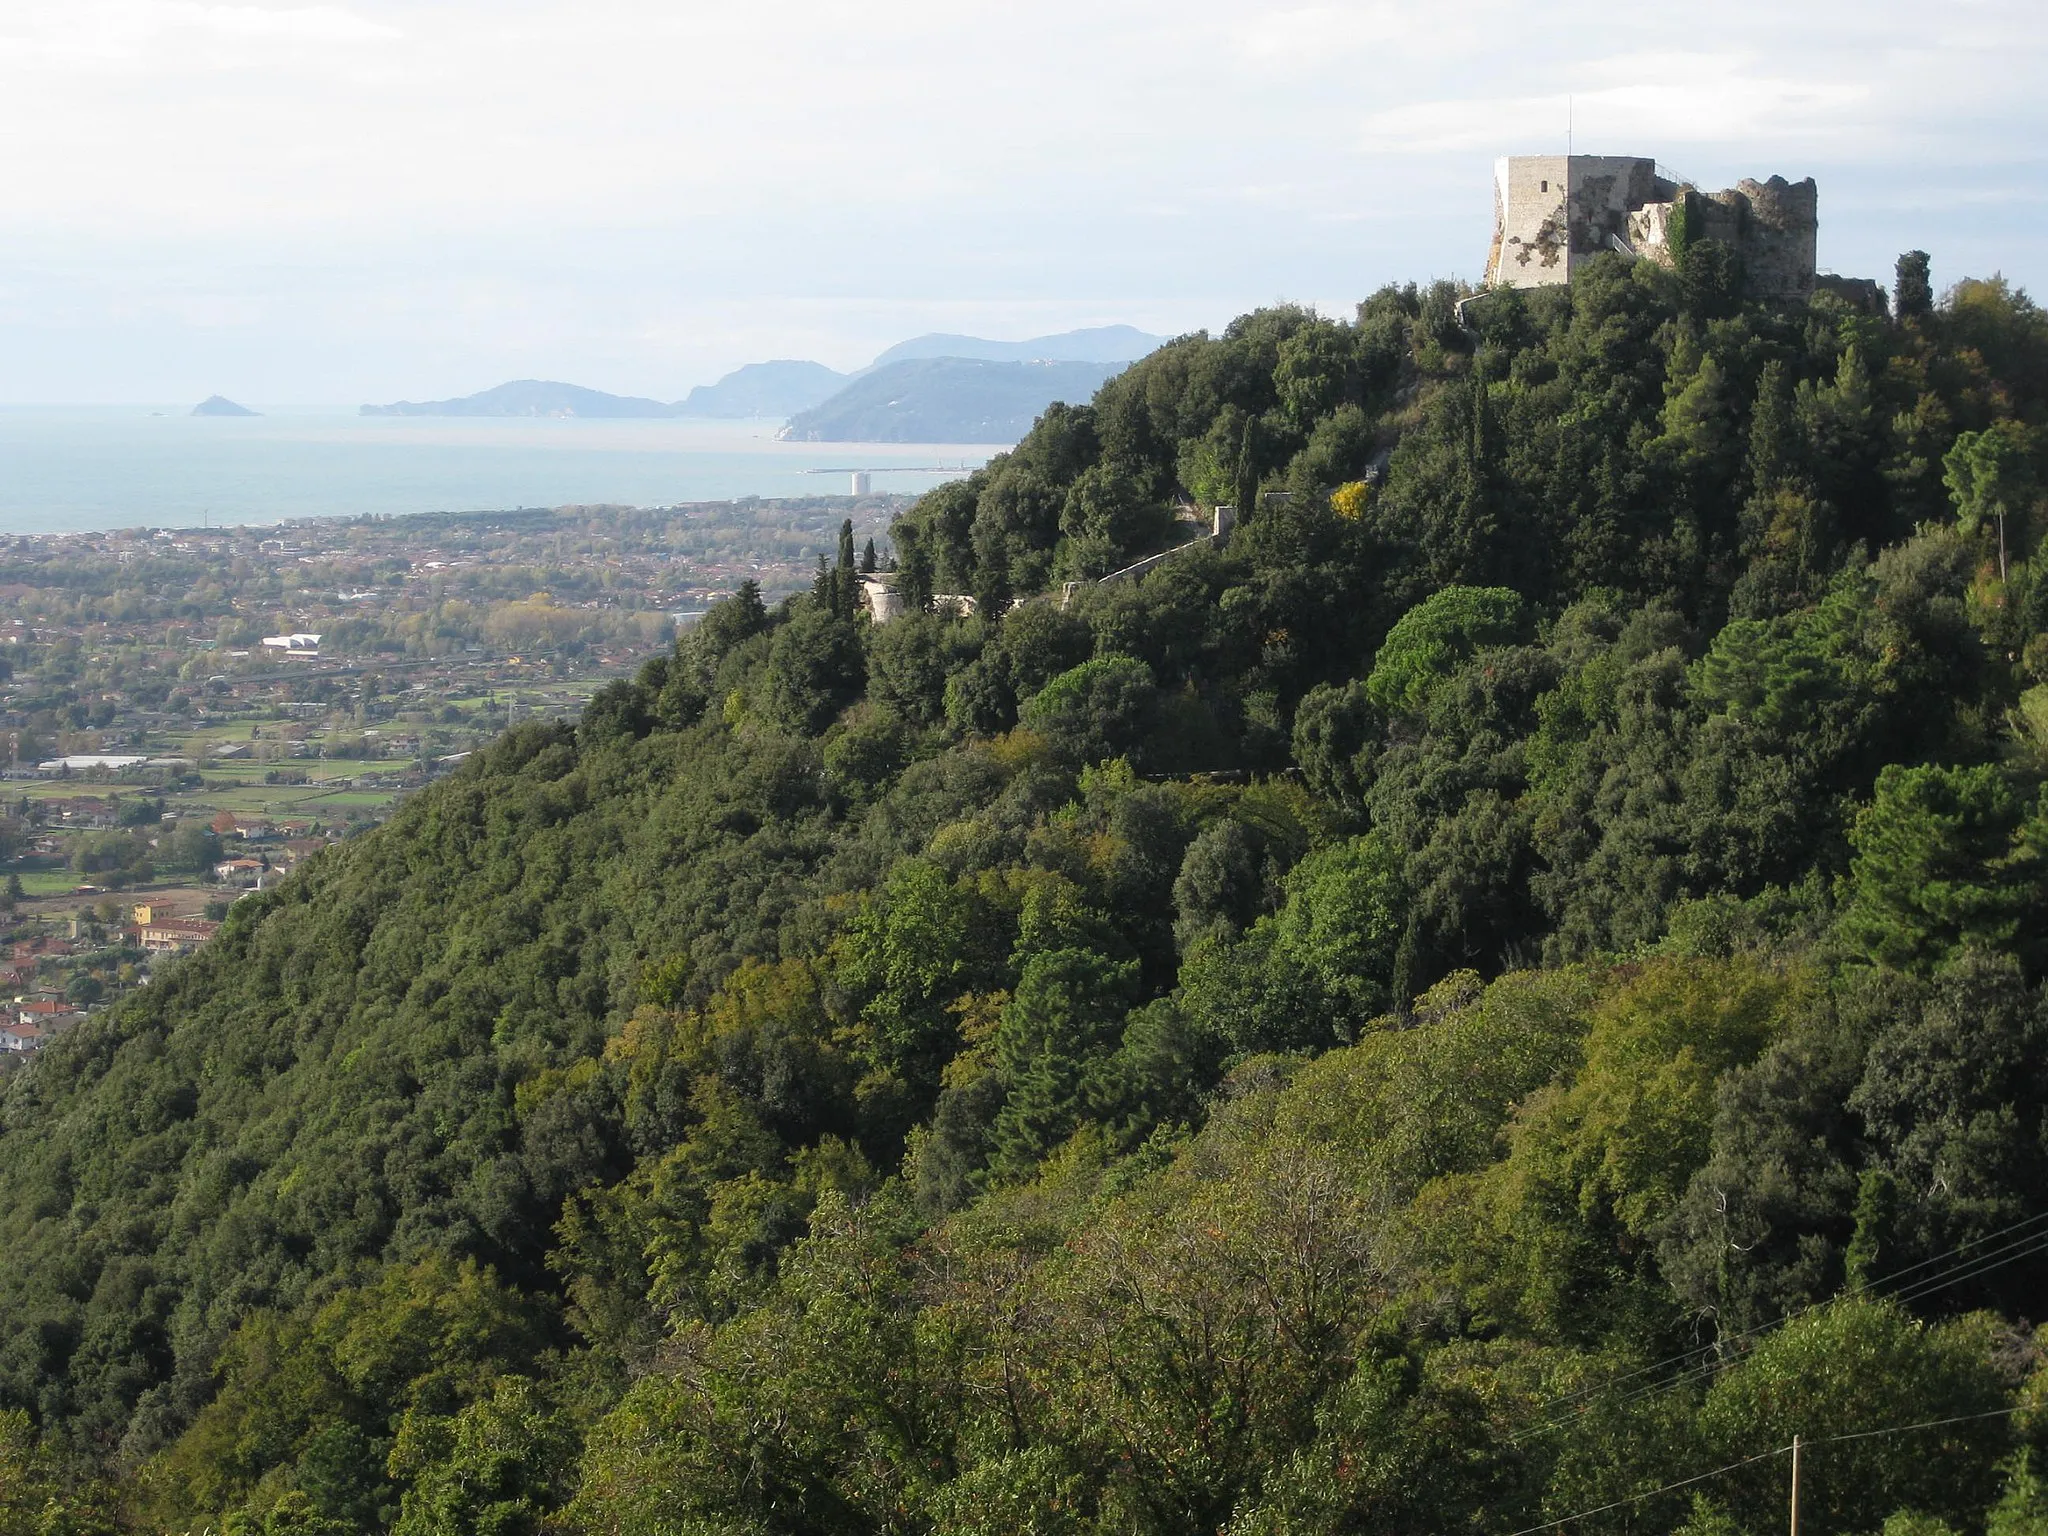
(1248, 470)
(844, 582)
(1770, 432)
(914, 574)
(1912, 287)
(992, 590)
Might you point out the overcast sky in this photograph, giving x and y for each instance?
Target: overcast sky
(366, 200)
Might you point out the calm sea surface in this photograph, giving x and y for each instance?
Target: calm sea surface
(71, 468)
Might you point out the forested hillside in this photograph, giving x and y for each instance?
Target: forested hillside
(1512, 984)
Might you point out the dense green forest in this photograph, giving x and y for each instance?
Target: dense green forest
(1513, 983)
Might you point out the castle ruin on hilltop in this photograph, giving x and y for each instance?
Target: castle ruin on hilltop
(1552, 213)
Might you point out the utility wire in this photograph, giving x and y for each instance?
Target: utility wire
(1855, 1290)
(2012, 1252)
(1687, 1482)
(1900, 1429)
(1637, 1498)
(1985, 1262)
(1970, 1266)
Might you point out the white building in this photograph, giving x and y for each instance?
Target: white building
(81, 761)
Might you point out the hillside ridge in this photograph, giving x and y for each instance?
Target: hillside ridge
(1515, 981)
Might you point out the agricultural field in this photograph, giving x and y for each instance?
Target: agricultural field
(175, 701)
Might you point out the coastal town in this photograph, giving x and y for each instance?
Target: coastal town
(187, 715)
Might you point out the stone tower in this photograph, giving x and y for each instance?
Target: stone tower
(1552, 213)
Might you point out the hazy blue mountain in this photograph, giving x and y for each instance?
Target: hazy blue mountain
(779, 388)
(221, 405)
(530, 397)
(947, 400)
(930, 404)
(1097, 344)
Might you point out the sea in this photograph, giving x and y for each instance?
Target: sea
(72, 468)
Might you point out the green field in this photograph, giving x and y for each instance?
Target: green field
(280, 799)
(49, 882)
(242, 792)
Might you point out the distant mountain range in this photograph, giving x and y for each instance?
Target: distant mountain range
(529, 397)
(779, 388)
(1098, 344)
(947, 400)
(930, 389)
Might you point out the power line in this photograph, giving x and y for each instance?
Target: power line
(1854, 1290)
(1978, 1266)
(1701, 1477)
(1900, 1429)
(1637, 1498)
(1974, 1264)
(2012, 1252)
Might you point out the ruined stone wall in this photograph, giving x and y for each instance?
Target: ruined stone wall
(1605, 189)
(1780, 237)
(1863, 294)
(1773, 226)
(1551, 214)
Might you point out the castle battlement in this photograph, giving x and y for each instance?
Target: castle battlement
(1552, 213)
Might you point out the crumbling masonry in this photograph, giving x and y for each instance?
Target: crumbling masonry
(1554, 212)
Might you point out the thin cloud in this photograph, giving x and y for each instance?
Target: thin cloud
(1315, 34)
(1647, 99)
(648, 192)
(304, 24)
(155, 35)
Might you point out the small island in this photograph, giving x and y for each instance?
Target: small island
(221, 405)
(530, 397)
